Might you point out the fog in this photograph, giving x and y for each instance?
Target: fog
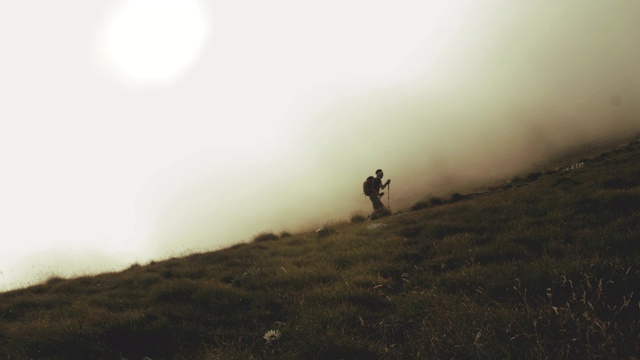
(275, 112)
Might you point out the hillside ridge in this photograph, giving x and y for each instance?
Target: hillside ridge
(545, 265)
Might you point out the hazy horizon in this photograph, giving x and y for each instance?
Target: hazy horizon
(141, 130)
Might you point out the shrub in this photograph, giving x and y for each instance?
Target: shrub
(455, 197)
(265, 236)
(534, 176)
(518, 181)
(423, 204)
(358, 218)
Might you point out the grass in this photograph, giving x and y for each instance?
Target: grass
(265, 236)
(546, 267)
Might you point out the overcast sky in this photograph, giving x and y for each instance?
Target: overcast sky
(139, 130)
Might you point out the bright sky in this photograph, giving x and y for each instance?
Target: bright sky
(141, 129)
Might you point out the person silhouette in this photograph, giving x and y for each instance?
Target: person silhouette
(375, 196)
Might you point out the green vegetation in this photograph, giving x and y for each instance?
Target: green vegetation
(547, 267)
(265, 236)
(358, 217)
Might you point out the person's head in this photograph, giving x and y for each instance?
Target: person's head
(379, 173)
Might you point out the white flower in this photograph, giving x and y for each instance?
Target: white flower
(271, 336)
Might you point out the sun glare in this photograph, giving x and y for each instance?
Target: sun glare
(153, 40)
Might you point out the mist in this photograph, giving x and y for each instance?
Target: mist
(483, 92)
(520, 83)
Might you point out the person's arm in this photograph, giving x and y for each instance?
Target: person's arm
(385, 184)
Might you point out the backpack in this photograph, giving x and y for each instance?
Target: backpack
(367, 186)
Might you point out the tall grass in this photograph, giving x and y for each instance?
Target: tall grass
(547, 268)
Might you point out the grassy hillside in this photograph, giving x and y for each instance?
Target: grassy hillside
(546, 266)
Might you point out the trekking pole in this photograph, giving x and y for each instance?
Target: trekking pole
(389, 198)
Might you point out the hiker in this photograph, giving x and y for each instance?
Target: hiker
(375, 194)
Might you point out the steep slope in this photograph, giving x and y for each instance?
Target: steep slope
(547, 265)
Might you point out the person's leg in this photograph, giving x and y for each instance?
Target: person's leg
(373, 204)
(378, 206)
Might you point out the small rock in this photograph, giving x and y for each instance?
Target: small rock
(375, 226)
